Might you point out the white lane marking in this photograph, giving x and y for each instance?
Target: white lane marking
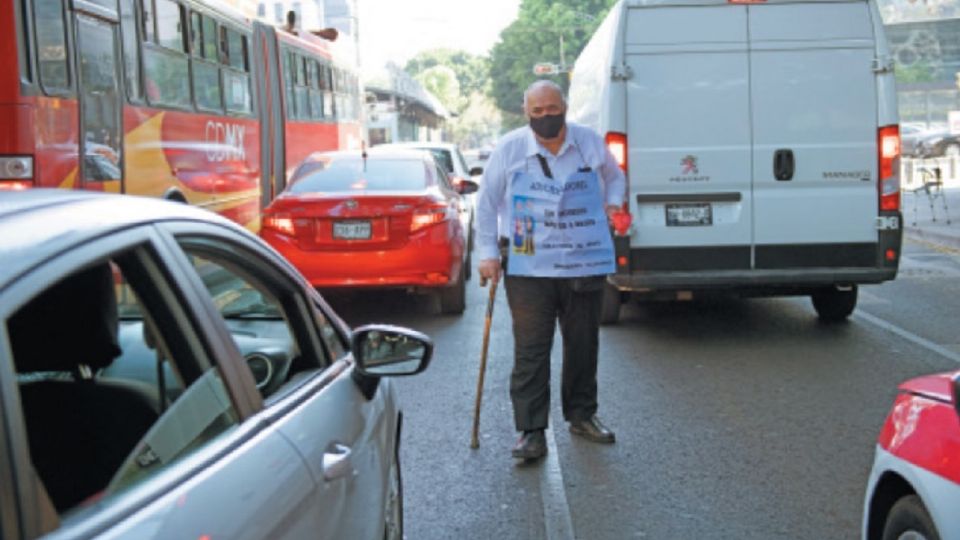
(868, 298)
(556, 511)
(909, 336)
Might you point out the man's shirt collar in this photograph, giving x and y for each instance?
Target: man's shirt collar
(534, 147)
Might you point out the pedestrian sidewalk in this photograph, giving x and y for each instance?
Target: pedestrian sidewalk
(932, 215)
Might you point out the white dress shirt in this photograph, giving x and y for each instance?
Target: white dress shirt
(517, 151)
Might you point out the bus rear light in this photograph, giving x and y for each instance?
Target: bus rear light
(888, 149)
(280, 223)
(16, 168)
(891, 255)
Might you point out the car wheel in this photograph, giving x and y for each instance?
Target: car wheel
(834, 304)
(610, 306)
(952, 150)
(909, 520)
(453, 299)
(393, 513)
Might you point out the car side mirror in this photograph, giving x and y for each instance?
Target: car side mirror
(383, 350)
(466, 187)
(476, 171)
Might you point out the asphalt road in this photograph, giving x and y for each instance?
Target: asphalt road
(734, 418)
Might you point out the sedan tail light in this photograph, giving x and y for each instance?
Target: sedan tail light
(430, 215)
(281, 223)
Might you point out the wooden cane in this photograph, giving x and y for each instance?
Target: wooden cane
(474, 441)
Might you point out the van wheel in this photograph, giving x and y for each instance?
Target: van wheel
(909, 519)
(833, 304)
(610, 306)
(453, 299)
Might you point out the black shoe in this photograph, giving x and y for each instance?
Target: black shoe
(592, 430)
(532, 445)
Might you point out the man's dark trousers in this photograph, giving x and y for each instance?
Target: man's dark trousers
(536, 304)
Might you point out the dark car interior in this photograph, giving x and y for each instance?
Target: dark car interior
(80, 428)
(99, 385)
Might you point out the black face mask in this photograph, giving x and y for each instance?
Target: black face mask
(548, 126)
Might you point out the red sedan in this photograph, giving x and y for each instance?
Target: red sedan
(914, 487)
(385, 218)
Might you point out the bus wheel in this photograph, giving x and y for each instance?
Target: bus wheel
(610, 306)
(834, 304)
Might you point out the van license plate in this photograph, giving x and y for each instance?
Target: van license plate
(351, 230)
(689, 215)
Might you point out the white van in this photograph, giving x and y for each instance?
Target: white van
(761, 143)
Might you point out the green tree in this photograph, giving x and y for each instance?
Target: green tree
(461, 81)
(541, 29)
(472, 71)
(441, 81)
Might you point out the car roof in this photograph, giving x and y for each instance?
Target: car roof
(37, 224)
(419, 144)
(378, 152)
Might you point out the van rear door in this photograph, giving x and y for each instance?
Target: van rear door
(688, 121)
(814, 119)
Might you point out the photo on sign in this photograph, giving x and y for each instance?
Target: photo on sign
(524, 226)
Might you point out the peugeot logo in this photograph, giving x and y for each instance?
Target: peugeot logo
(351, 204)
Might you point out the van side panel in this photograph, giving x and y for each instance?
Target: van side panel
(814, 95)
(687, 111)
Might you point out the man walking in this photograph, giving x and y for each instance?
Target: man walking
(567, 186)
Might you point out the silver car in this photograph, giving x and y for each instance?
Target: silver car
(166, 374)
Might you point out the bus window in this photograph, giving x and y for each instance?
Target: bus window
(51, 45)
(236, 81)
(165, 67)
(210, 39)
(316, 98)
(196, 34)
(148, 21)
(170, 25)
(328, 104)
(131, 50)
(301, 95)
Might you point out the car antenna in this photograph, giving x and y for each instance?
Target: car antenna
(363, 154)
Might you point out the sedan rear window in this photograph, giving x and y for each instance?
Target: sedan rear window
(353, 175)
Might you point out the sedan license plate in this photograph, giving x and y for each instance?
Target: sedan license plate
(689, 215)
(351, 230)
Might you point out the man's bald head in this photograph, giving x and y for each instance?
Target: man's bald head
(543, 88)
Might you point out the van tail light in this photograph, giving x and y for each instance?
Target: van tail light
(888, 147)
(617, 145)
(432, 214)
(281, 223)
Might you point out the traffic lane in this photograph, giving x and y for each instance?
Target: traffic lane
(923, 298)
(736, 418)
(450, 490)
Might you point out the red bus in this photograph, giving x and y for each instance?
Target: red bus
(181, 99)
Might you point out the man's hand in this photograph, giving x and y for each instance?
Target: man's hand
(489, 270)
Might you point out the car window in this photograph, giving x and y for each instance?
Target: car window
(462, 161)
(264, 319)
(356, 174)
(443, 158)
(115, 384)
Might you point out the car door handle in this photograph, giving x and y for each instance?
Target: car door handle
(336, 462)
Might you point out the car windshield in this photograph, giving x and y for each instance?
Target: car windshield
(356, 174)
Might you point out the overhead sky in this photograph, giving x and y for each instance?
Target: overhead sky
(398, 29)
